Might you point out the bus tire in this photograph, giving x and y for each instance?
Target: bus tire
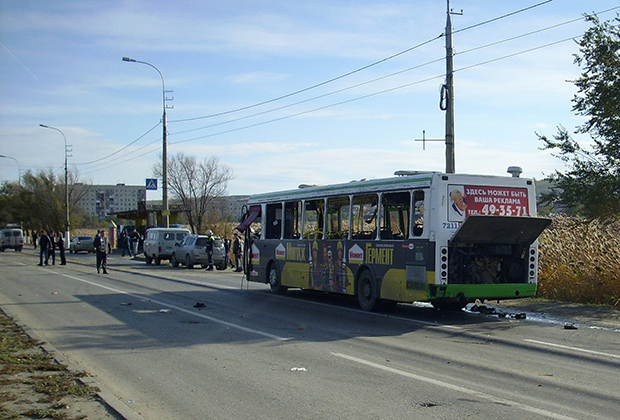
(274, 280)
(367, 291)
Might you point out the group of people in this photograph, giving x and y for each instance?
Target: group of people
(237, 250)
(128, 242)
(48, 244)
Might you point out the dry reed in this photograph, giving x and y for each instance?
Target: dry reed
(580, 262)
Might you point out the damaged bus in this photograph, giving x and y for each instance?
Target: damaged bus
(447, 239)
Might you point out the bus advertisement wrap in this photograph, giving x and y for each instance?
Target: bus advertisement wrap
(467, 200)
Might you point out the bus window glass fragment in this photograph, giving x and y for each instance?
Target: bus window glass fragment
(338, 217)
(314, 219)
(364, 223)
(395, 215)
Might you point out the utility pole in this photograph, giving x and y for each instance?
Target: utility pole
(448, 94)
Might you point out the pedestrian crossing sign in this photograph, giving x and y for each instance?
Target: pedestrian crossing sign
(151, 183)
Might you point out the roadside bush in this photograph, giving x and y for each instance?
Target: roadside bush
(580, 261)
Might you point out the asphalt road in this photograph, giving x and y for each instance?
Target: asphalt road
(189, 344)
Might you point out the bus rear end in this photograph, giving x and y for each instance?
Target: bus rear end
(486, 239)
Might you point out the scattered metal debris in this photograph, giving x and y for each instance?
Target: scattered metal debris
(570, 326)
(299, 369)
(487, 310)
(200, 305)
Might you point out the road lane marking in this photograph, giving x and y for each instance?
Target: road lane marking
(457, 388)
(598, 353)
(180, 309)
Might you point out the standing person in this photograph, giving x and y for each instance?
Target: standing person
(51, 251)
(60, 244)
(43, 245)
(103, 248)
(135, 237)
(34, 239)
(125, 243)
(237, 250)
(209, 249)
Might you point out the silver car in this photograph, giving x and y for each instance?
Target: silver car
(82, 243)
(192, 251)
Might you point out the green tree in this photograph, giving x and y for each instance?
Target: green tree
(39, 202)
(591, 184)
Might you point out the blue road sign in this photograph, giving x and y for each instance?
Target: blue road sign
(151, 183)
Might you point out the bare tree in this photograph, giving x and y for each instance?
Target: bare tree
(196, 184)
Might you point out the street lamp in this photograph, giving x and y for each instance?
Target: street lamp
(165, 212)
(19, 169)
(67, 237)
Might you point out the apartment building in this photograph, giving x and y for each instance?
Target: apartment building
(103, 200)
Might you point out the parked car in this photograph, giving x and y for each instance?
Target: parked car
(193, 252)
(82, 243)
(161, 242)
(11, 238)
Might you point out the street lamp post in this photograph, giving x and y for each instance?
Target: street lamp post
(164, 158)
(19, 169)
(67, 236)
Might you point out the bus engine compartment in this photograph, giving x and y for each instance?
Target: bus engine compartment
(494, 249)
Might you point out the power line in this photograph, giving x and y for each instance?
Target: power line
(376, 93)
(386, 76)
(361, 68)
(357, 85)
(121, 149)
(313, 86)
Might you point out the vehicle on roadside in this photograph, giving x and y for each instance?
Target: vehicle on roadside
(11, 238)
(82, 243)
(161, 242)
(193, 252)
(444, 238)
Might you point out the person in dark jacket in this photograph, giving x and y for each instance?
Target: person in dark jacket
(102, 249)
(60, 244)
(51, 250)
(44, 244)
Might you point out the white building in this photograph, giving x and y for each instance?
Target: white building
(103, 200)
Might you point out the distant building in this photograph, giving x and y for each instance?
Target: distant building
(103, 200)
(231, 206)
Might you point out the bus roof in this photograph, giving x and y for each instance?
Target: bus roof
(406, 180)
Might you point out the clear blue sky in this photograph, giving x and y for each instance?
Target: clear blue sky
(61, 65)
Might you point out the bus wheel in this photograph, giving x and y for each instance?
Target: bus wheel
(274, 280)
(367, 292)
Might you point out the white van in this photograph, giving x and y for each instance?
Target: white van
(160, 242)
(11, 238)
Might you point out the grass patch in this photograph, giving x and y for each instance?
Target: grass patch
(34, 384)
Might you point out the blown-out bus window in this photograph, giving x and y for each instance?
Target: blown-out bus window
(364, 220)
(273, 229)
(395, 216)
(292, 220)
(418, 213)
(338, 217)
(314, 219)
